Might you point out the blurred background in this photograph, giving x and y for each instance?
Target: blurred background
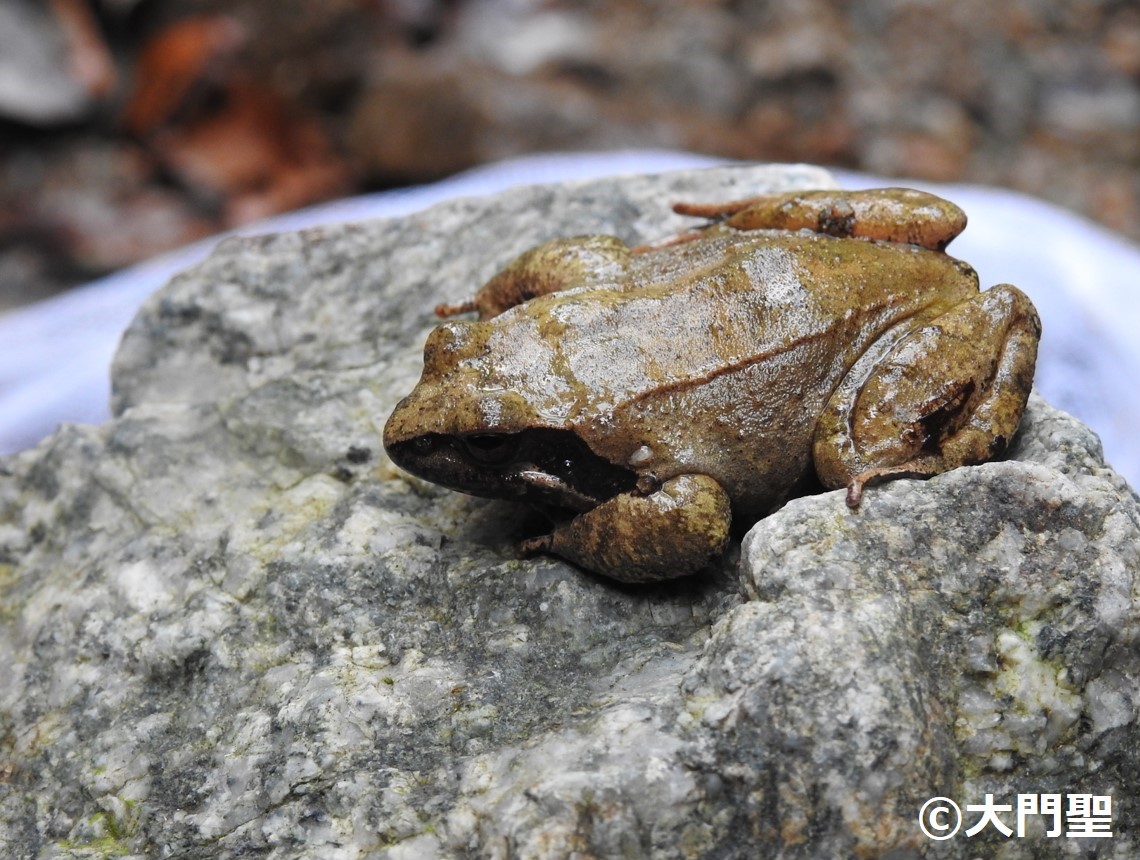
(128, 127)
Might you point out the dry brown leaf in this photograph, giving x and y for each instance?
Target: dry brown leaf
(224, 134)
(172, 63)
(256, 153)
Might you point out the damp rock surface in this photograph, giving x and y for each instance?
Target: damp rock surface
(230, 628)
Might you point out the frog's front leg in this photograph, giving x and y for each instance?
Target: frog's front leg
(672, 532)
(949, 393)
(886, 214)
(555, 265)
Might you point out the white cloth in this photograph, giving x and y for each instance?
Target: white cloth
(55, 355)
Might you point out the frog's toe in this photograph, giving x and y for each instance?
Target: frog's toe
(535, 545)
(913, 469)
(444, 311)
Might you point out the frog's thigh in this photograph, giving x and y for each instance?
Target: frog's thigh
(672, 532)
(559, 264)
(948, 394)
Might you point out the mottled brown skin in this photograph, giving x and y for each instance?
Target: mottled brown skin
(653, 396)
(885, 214)
(553, 266)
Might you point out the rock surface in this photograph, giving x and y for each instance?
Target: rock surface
(228, 627)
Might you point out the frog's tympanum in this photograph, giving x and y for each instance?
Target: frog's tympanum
(646, 397)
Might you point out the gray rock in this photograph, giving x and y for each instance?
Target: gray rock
(229, 627)
(975, 634)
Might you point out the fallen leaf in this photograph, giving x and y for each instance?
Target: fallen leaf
(231, 139)
(173, 62)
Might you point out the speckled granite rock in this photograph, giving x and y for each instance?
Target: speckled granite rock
(228, 627)
(974, 634)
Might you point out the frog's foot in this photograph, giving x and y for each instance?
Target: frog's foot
(445, 311)
(885, 473)
(885, 214)
(949, 393)
(672, 532)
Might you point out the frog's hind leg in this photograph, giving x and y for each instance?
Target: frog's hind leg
(886, 214)
(552, 266)
(950, 393)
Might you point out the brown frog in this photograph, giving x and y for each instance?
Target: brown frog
(651, 395)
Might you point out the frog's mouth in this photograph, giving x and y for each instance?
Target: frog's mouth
(547, 466)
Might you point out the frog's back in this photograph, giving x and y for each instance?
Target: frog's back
(719, 357)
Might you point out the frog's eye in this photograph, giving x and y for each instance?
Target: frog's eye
(489, 449)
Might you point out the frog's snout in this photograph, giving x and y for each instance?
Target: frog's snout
(401, 424)
(433, 408)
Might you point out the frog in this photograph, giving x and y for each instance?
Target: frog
(648, 398)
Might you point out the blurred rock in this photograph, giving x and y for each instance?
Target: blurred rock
(89, 208)
(1041, 96)
(37, 81)
(815, 81)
